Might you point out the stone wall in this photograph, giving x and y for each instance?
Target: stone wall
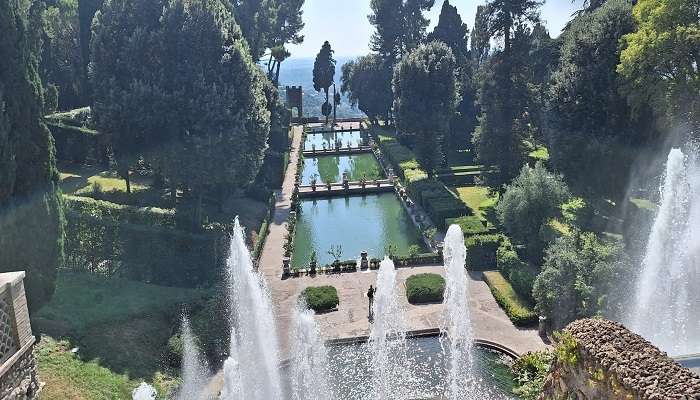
(18, 379)
(600, 359)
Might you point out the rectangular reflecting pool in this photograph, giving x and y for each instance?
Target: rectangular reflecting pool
(331, 168)
(370, 222)
(329, 139)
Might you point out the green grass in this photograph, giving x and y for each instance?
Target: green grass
(82, 301)
(67, 376)
(321, 298)
(470, 224)
(425, 288)
(108, 182)
(539, 154)
(477, 198)
(517, 309)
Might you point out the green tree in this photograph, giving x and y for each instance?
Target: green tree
(86, 12)
(324, 73)
(367, 83)
(480, 36)
(661, 57)
(582, 277)
(256, 19)
(31, 216)
(506, 17)
(386, 40)
(591, 128)
(61, 60)
(414, 23)
(452, 31)
(425, 99)
(529, 203)
(123, 72)
(287, 28)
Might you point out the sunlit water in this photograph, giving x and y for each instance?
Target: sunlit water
(144, 392)
(331, 168)
(667, 306)
(308, 362)
(194, 369)
(328, 139)
(357, 223)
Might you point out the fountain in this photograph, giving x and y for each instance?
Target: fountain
(309, 358)
(252, 370)
(195, 371)
(667, 306)
(456, 326)
(144, 392)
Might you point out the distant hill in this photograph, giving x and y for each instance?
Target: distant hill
(299, 72)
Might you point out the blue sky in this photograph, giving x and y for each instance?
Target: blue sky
(344, 23)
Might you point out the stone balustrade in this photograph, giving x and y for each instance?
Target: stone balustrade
(18, 377)
(607, 361)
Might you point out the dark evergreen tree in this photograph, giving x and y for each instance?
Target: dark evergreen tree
(425, 99)
(590, 123)
(368, 85)
(86, 12)
(480, 36)
(386, 40)
(324, 73)
(31, 217)
(414, 23)
(507, 16)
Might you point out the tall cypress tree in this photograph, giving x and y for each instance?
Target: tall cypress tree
(31, 218)
(324, 73)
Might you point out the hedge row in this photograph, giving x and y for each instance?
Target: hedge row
(139, 244)
(439, 203)
(403, 159)
(481, 251)
(517, 309)
(264, 228)
(518, 273)
(77, 144)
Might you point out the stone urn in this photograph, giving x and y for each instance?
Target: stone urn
(328, 186)
(363, 183)
(364, 263)
(440, 247)
(346, 181)
(312, 267)
(285, 266)
(313, 185)
(313, 148)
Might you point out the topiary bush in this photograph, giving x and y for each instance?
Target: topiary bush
(425, 288)
(481, 251)
(518, 311)
(321, 298)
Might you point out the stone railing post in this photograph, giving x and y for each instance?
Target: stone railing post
(18, 379)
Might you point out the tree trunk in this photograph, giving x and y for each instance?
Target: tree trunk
(127, 179)
(326, 90)
(277, 73)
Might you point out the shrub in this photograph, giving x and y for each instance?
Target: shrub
(418, 259)
(534, 197)
(321, 298)
(425, 288)
(519, 273)
(529, 373)
(437, 200)
(515, 307)
(481, 250)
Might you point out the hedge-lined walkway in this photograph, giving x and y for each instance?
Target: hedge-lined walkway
(489, 321)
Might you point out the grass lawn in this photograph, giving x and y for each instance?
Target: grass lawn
(478, 199)
(518, 310)
(120, 328)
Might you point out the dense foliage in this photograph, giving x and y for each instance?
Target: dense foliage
(321, 298)
(582, 276)
(517, 309)
(530, 371)
(528, 204)
(367, 83)
(31, 216)
(425, 288)
(425, 99)
(154, 110)
(660, 59)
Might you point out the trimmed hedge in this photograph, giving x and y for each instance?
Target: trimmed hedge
(425, 288)
(518, 272)
(481, 251)
(321, 298)
(140, 244)
(518, 310)
(437, 201)
(418, 259)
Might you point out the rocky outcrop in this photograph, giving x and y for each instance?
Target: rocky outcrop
(600, 359)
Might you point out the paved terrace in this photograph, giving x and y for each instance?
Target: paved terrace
(489, 321)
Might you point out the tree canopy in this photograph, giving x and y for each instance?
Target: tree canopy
(324, 73)
(368, 85)
(31, 216)
(661, 57)
(425, 99)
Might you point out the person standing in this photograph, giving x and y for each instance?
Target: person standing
(370, 298)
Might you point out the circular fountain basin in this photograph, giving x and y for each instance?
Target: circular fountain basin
(422, 375)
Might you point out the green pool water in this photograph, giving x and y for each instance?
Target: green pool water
(331, 168)
(329, 139)
(356, 223)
